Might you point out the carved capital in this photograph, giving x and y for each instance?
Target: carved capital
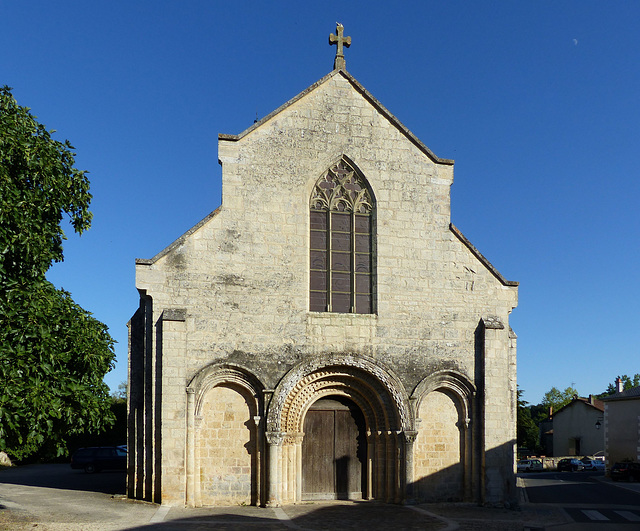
(274, 438)
(410, 436)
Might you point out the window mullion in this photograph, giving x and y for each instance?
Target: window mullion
(329, 262)
(353, 262)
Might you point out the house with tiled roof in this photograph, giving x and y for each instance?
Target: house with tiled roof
(577, 427)
(622, 425)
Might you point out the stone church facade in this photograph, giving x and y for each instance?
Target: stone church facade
(326, 333)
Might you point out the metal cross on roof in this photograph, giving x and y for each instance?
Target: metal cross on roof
(340, 40)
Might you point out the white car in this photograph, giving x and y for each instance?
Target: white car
(529, 465)
(592, 464)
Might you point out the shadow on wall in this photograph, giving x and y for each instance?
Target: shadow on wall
(488, 479)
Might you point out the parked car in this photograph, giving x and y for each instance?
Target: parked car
(529, 465)
(570, 465)
(592, 464)
(99, 458)
(625, 471)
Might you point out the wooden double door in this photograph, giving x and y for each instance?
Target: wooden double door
(334, 451)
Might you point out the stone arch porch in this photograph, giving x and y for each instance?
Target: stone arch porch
(388, 421)
(443, 405)
(247, 387)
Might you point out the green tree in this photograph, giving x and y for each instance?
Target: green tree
(627, 383)
(120, 394)
(556, 399)
(527, 429)
(53, 354)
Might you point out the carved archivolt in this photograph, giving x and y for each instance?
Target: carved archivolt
(342, 188)
(226, 374)
(450, 380)
(379, 394)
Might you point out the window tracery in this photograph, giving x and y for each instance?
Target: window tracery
(341, 238)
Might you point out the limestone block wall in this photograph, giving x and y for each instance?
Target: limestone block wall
(439, 450)
(226, 449)
(253, 255)
(241, 277)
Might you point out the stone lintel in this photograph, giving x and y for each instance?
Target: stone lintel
(492, 322)
(174, 314)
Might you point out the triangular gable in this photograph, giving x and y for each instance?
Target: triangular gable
(366, 94)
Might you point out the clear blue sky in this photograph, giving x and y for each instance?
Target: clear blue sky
(538, 102)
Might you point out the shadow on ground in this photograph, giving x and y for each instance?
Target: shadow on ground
(313, 516)
(61, 476)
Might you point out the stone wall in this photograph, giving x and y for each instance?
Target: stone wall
(439, 456)
(240, 278)
(226, 448)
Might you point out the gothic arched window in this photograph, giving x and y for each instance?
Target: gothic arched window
(341, 242)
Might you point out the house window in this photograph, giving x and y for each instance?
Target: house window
(341, 242)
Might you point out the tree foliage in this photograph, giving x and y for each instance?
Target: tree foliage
(627, 383)
(556, 399)
(527, 429)
(53, 354)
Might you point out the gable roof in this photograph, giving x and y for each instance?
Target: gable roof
(366, 94)
(633, 393)
(597, 404)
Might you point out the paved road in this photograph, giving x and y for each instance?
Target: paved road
(587, 498)
(56, 498)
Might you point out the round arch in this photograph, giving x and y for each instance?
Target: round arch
(377, 393)
(225, 397)
(216, 374)
(443, 403)
(451, 380)
(376, 389)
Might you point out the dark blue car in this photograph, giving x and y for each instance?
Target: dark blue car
(99, 458)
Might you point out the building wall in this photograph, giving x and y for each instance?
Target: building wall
(439, 449)
(622, 430)
(577, 422)
(226, 448)
(241, 278)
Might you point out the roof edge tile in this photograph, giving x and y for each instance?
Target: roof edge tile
(178, 241)
(481, 257)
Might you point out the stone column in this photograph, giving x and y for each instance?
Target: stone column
(283, 471)
(291, 469)
(298, 443)
(391, 468)
(409, 440)
(191, 448)
(274, 440)
(257, 472)
(467, 465)
(499, 414)
(371, 459)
